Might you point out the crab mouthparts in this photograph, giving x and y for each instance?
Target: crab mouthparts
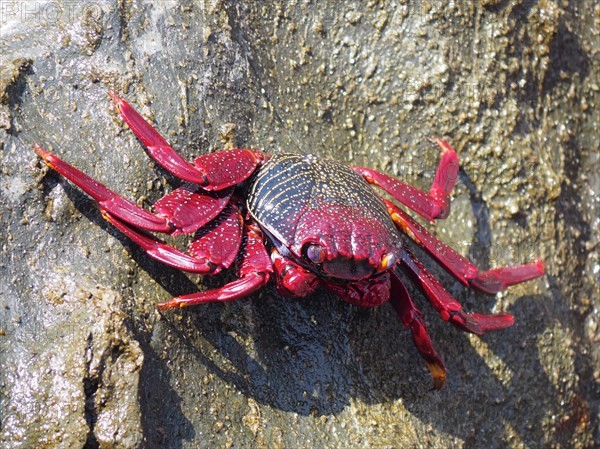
(351, 269)
(348, 269)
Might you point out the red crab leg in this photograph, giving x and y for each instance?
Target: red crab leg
(107, 199)
(448, 308)
(453, 262)
(433, 205)
(497, 279)
(412, 318)
(213, 171)
(292, 279)
(254, 271)
(491, 281)
(161, 251)
(181, 211)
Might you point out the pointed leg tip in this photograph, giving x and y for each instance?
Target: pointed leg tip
(444, 146)
(116, 99)
(503, 321)
(529, 271)
(48, 157)
(174, 303)
(539, 264)
(438, 372)
(40, 151)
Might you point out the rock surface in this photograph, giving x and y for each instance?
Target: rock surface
(88, 362)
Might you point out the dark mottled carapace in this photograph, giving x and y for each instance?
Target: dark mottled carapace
(302, 198)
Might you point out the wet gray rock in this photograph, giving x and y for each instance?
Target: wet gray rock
(88, 362)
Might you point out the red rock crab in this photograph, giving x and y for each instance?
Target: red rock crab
(305, 222)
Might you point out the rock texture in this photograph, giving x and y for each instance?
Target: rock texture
(88, 362)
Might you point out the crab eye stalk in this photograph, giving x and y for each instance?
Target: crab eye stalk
(387, 261)
(315, 253)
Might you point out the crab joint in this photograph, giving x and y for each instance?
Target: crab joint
(405, 226)
(387, 261)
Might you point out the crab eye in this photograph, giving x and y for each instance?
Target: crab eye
(387, 261)
(315, 253)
